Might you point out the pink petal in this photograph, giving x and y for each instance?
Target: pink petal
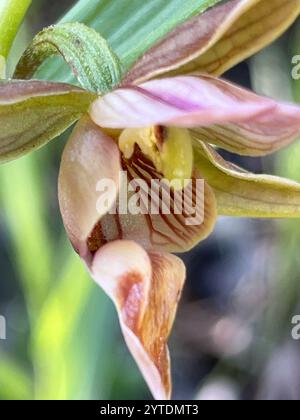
(180, 101)
(89, 156)
(261, 136)
(145, 289)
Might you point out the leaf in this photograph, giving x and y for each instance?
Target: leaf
(12, 13)
(241, 193)
(24, 207)
(55, 328)
(129, 26)
(218, 39)
(91, 59)
(32, 113)
(15, 382)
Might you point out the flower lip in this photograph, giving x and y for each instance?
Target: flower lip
(145, 288)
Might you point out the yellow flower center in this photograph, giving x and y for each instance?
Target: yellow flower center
(169, 148)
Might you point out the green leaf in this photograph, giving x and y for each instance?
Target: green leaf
(241, 193)
(15, 382)
(24, 210)
(55, 327)
(129, 26)
(12, 13)
(32, 113)
(91, 59)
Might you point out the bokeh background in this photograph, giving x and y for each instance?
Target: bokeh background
(232, 338)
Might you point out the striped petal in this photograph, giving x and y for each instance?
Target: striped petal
(179, 101)
(260, 136)
(145, 289)
(155, 216)
(215, 41)
(89, 157)
(34, 112)
(240, 193)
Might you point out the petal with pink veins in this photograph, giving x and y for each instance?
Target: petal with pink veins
(145, 289)
(220, 112)
(262, 137)
(179, 101)
(258, 137)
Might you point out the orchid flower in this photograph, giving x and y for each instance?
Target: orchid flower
(167, 127)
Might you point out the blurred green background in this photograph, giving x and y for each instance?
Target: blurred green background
(232, 338)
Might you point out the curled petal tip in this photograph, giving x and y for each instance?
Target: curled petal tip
(123, 269)
(145, 289)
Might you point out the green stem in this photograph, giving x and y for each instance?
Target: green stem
(2, 67)
(12, 13)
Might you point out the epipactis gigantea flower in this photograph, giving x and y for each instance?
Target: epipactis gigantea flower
(162, 128)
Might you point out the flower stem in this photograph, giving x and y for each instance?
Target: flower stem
(2, 67)
(12, 13)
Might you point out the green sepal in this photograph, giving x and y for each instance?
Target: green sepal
(34, 112)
